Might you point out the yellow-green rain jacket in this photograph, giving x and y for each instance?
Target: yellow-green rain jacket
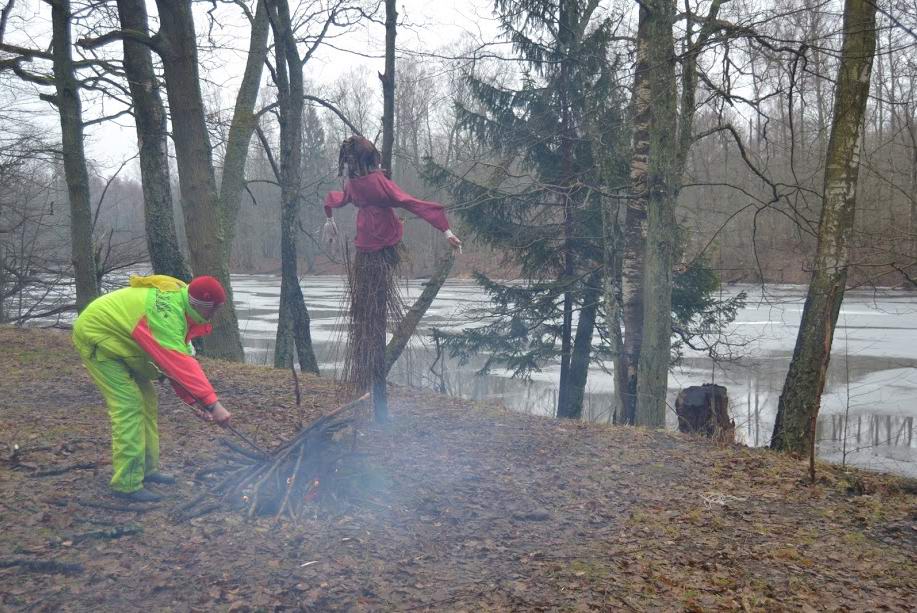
(151, 318)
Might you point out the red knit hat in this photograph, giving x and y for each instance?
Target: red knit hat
(206, 292)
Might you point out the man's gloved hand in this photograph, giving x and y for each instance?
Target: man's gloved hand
(217, 413)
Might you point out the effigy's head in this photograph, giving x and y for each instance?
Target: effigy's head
(359, 155)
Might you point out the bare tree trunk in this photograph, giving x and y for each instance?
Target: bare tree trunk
(293, 322)
(658, 159)
(572, 408)
(611, 213)
(566, 329)
(799, 403)
(632, 277)
(152, 139)
(661, 190)
(693, 47)
(71, 122)
(911, 126)
(566, 41)
(200, 205)
(388, 85)
(242, 128)
(379, 391)
(412, 317)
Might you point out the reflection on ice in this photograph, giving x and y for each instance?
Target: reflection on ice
(872, 378)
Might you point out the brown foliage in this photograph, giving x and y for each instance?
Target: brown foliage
(473, 508)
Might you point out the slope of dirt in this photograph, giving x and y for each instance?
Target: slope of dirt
(473, 508)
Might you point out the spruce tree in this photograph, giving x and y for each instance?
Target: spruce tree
(542, 205)
(558, 142)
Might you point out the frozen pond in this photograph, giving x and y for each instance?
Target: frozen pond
(868, 409)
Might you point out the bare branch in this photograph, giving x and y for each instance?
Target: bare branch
(95, 218)
(25, 53)
(4, 16)
(334, 110)
(115, 35)
(104, 118)
(267, 152)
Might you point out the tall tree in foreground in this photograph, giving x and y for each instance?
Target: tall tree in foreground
(799, 403)
(69, 109)
(647, 281)
(209, 219)
(378, 371)
(177, 46)
(662, 136)
(293, 321)
(153, 144)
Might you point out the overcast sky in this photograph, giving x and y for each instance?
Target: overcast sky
(426, 26)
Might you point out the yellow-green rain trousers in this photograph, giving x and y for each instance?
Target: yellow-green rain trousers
(132, 408)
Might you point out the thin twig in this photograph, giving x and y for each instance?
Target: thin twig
(63, 469)
(253, 455)
(116, 507)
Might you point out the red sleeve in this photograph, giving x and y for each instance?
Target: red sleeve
(433, 212)
(188, 379)
(335, 200)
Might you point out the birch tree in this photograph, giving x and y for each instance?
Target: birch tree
(654, 179)
(662, 136)
(799, 403)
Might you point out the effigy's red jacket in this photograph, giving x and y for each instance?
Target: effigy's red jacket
(375, 197)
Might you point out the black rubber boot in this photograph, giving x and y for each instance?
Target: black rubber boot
(161, 478)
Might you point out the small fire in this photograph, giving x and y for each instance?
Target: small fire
(313, 491)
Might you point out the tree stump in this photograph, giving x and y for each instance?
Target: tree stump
(704, 409)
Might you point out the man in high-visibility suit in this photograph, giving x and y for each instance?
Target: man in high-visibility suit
(131, 336)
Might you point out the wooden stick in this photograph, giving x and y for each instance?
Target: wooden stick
(115, 507)
(43, 566)
(115, 532)
(188, 505)
(292, 483)
(253, 455)
(63, 469)
(240, 477)
(200, 511)
(256, 491)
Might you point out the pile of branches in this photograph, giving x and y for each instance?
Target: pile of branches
(319, 466)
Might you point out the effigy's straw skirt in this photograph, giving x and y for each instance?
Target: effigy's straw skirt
(375, 306)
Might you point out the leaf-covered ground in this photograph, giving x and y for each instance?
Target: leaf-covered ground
(473, 508)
